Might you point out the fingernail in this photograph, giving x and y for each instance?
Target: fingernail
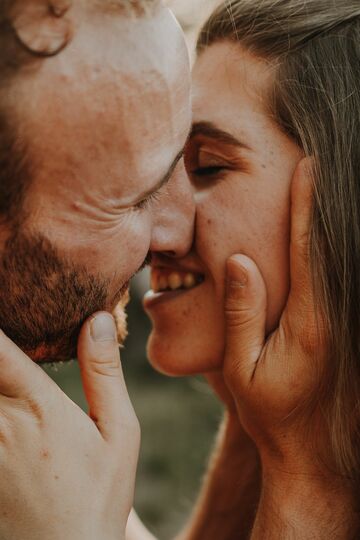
(236, 273)
(102, 327)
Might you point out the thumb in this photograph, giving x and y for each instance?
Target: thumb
(102, 377)
(245, 313)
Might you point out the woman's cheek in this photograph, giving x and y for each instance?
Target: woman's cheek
(234, 219)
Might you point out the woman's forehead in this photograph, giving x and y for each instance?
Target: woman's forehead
(233, 69)
(230, 89)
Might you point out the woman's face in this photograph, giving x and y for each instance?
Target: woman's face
(241, 166)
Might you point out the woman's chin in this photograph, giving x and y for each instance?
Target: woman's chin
(177, 359)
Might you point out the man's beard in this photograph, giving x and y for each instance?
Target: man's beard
(45, 299)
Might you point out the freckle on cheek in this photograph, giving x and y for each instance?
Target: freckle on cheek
(209, 221)
(45, 454)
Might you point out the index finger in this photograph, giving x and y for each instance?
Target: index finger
(301, 213)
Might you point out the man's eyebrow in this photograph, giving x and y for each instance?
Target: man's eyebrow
(208, 129)
(164, 180)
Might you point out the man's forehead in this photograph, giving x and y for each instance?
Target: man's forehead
(103, 38)
(120, 106)
(137, 47)
(121, 64)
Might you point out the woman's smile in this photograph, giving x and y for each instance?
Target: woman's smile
(169, 279)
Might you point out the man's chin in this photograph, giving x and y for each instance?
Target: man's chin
(66, 350)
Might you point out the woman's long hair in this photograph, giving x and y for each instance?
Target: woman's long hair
(315, 45)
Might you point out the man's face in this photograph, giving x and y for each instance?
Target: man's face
(106, 122)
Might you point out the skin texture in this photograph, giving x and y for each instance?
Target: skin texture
(121, 124)
(241, 207)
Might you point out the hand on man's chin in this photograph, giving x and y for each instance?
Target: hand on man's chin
(66, 351)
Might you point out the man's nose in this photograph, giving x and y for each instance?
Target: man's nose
(174, 217)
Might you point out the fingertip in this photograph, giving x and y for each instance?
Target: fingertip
(244, 281)
(99, 327)
(306, 165)
(102, 327)
(241, 269)
(303, 179)
(98, 342)
(237, 271)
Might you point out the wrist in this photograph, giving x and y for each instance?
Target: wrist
(298, 449)
(303, 506)
(310, 491)
(305, 499)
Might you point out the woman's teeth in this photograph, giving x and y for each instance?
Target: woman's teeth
(174, 281)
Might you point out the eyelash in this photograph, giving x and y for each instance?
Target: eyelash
(208, 171)
(145, 203)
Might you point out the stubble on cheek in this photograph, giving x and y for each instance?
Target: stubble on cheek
(44, 299)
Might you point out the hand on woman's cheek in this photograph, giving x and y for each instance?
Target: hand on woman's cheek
(274, 382)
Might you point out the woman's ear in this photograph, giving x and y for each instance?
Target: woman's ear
(42, 26)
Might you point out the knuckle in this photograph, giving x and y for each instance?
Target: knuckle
(235, 291)
(36, 410)
(106, 364)
(241, 315)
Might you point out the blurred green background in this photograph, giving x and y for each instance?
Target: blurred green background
(178, 417)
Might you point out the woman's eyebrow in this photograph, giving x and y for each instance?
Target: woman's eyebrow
(208, 129)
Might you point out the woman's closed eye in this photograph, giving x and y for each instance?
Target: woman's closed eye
(209, 170)
(202, 165)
